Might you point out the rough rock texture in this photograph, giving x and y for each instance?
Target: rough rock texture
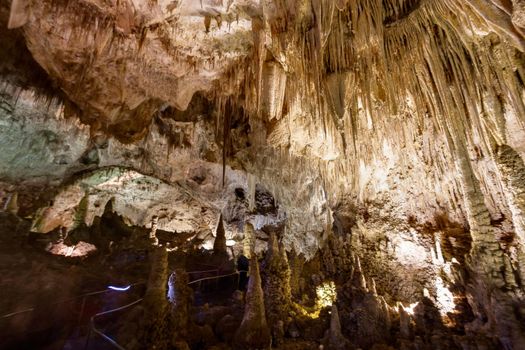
(145, 54)
(277, 291)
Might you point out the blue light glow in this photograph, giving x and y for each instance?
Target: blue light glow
(119, 289)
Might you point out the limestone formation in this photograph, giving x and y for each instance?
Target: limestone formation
(334, 339)
(153, 232)
(383, 141)
(155, 298)
(155, 303)
(180, 297)
(296, 263)
(219, 244)
(405, 328)
(253, 333)
(11, 205)
(277, 291)
(248, 243)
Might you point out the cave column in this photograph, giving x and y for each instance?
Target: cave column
(487, 260)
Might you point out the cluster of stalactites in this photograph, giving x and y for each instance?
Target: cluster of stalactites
(455, 68)
(383, 54)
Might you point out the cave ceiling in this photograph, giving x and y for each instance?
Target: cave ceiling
(406, 109)
(120, 62)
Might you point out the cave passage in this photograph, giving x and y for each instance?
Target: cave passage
(262, 174)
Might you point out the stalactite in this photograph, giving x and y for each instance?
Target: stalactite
(153, 232)
(19, 14)
(251, 192)
(226, 138)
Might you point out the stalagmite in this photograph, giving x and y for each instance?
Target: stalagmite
(404, 322)
(334, 338)
(372, 285)
(248, 242)
(358, 276)
(153, 232)
(277, 290)
(253, 333)
(155, 297)
(11, 205)
(155, 303)
(219, 245)
(19, 14)
(180, 297)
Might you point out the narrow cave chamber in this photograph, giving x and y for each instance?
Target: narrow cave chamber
(246, 174)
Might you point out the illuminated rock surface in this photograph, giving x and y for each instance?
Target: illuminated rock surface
(377, 145)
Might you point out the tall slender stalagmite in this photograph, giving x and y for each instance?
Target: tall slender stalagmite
(11, 204)
(155, 303)
(219, 245)
(253, 333)
(334, 338)
(277, 290)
